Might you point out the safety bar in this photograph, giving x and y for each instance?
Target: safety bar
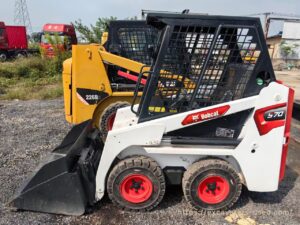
(141, 74)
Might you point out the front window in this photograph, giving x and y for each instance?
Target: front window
(55, 39)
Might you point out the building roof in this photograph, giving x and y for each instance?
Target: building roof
(291, 30)
(279, 35)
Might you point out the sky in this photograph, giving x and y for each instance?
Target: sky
(66, 11)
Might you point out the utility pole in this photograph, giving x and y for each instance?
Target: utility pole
(21, 15)
(267, 23)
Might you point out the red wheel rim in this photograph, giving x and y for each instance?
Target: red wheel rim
(136, 188)
(213, 189)
(110, 121)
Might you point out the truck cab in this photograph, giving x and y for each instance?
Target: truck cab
(64, 34)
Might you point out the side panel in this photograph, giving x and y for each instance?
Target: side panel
(67, 87)
(16, 37)
(88, 73)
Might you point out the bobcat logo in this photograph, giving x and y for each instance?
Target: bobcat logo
(209, 115)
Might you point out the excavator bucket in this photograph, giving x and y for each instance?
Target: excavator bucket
(65, 182)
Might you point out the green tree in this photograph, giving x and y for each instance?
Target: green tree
(59, 45)
(93, 33)
(287, 49)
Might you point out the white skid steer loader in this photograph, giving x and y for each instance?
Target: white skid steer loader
(212, 118)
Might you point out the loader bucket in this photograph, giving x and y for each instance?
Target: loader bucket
(65, 182)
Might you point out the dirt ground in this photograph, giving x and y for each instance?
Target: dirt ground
(30, 129)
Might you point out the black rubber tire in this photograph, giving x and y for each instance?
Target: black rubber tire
(3, 57)
(204, 168)
(136, 165)
(109, 111)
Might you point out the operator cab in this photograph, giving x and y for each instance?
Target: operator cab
(133, 40)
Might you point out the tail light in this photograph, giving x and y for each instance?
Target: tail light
(287, 133)
(270, 117)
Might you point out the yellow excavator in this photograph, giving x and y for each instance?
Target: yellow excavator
(101, 78)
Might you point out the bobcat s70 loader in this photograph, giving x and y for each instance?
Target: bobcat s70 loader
(209, 119)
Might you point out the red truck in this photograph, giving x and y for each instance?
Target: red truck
(13, 42)
(66, 34)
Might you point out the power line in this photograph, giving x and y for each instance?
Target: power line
(21, 15)
(276, 14)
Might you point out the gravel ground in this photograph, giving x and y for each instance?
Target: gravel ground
(30, 129)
